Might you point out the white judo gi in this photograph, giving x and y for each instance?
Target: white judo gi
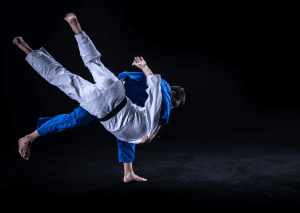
(132, 122)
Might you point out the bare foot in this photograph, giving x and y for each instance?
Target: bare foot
(19, 40)
(133, 177)
(21, 43)
(71, 19)
(24, 146)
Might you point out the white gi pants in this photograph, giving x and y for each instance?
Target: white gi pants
(71, 84)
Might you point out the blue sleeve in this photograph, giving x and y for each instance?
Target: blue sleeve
(123, 75)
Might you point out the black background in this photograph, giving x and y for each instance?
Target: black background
(229, 54)
(237, 62)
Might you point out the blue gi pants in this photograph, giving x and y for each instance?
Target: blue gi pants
(80, 117)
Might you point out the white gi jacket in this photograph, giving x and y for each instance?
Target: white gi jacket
(132, 122)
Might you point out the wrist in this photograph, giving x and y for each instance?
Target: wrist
(145, 68)
(77, 29)
(147, 71)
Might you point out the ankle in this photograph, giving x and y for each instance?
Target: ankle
(27, 50)
(128, 174)
(127, 168)
(76, 29)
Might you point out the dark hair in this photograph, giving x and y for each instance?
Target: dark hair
(177, 95)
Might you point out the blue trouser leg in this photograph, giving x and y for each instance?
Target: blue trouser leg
(126, 151)
(80, 117)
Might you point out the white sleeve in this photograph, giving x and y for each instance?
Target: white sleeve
(153, 102)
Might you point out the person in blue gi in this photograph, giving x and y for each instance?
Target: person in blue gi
(146, 99)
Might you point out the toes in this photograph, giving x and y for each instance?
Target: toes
(18, 40)
(133, 178)
(139, 178)
(15, 40)
(69, 15)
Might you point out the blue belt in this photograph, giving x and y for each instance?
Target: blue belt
(118, 108)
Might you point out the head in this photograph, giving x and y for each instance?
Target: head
(178, 97)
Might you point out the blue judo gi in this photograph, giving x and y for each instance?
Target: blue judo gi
(136, 92)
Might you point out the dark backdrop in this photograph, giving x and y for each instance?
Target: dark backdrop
(230, 59)
(236, 62)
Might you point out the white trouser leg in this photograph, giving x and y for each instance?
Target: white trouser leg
(91, 59)
(72, 85)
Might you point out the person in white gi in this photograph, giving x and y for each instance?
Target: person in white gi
(132, 123)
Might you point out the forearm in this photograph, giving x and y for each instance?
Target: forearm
(147, 71)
